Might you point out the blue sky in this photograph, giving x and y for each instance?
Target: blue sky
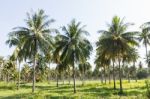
(93, 13)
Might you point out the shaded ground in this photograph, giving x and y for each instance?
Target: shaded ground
(91, 90)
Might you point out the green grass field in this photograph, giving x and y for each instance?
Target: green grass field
(91, 90)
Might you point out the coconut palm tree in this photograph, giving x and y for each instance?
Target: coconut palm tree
(25, 72)
(103, 61)
(144, 37)
(130, 56)
(103, 52)
(48, 58)
(98, 69)
(69, 73)
(35, 37)
(41, 68)
(18, 57)
(148, 62)
(119, 41)
(17, 54)
(8, 69)
(1, 61)
(83, 68)
(61, 68)
(1, 66)
(73, 45)
(56, 57)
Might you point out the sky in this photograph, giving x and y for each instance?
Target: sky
(95, 14)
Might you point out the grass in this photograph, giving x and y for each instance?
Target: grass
(91, 90)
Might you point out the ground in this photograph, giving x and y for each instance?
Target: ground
(90, 90)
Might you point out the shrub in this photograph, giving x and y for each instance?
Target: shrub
(142, 74)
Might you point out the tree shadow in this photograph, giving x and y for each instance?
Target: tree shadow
(17, 96)
(6, 87)
(38, 87)
(98, 91)
(107, 92)
(58, 97)
(66, 92)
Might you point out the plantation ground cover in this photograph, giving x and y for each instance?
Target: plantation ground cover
(91, 90)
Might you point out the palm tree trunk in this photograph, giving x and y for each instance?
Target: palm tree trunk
(101, 78)
(0, 75)
(120, 76)
(14, 80)
(128, 74)
(7, 77)
(123, 62)
(57, 80)
(49, 74)
(128, 78)
(24, 79)
(74, 82)
(4, 77)
(33, 83)
(105, 74)
(34, 65)
(114, 75)
(135, 71)
(109, 74)
(136, 79)
(69, 80)
(82, 75)
(27, 78)
(147, 56)
(1, 71)
(69, 77)
(146, 51)
(82, 78)
(18, 76)
(63, 77)
(57, 77)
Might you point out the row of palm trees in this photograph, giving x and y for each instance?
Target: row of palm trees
(7, 69)
(9, 72)
(71, 47)
(118, 46)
